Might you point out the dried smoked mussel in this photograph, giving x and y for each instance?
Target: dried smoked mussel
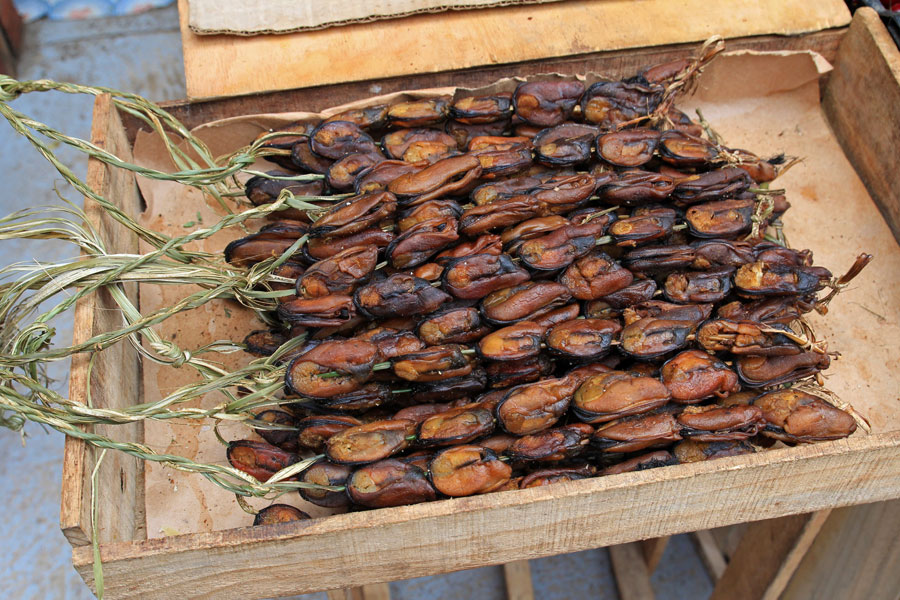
(560, 248)
(418, 113)
(367, 397)
(285, 438)
(467, 470)
(582, 339)
(552, 445)
(326, 473)
(692, 450)
(399, 295)
(653, 337)
(608, 396)
(506, 374)
(477, 110)
(279, 513)
(659, 259)
(265, 190)
(594, 276)
(352, 361)
(447, 177)
(456, 426)
(459, 325)
(533, 407)
(610, 104)
(765, 371)
(543, 477)
(546, 103)
(324, 311)
(501, 156)
(638, 291)
(377, 177)
(694, 375)
(746, 338)
(264, 342)
(370, 442)
(514, 342)
(681, 149)
(343, 173)
(712, 185)
(765, 279)
(433, 209)
(476, 276)
(389, 482)
(638, 432)
(415, 145)
(721, 219)
(319, 248)
(354, 215)
(629, 147)
(422, 241)
(647, 226)
(255, 248)
(565, 145)
(460, 387)
(720, 423)
(434, 363)
(699, 286)
(337, 139)
(530, 300)
(795, 416)
(258, 459)
(339, 274)
(314, 431)
(633, 187)
(651, 460)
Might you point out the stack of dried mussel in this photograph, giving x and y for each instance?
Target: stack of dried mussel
(503, 291)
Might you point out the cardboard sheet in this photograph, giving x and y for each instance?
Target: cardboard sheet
(768, 103)
(285, 16)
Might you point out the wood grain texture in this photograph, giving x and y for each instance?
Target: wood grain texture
(370, 547)
(869, 62)
(766, 557)
(115, 376)
(728, 538)
(855, 556)
(517, 575)
(374, 591)
(653, 550)
(221, 65)
(709, 553)
(630, 571)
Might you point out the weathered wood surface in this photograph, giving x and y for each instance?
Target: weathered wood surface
(517, 575)
(709, 553)
(115, 375)
(869, 64)
(222, 65)
(630, 571)
(653, 550)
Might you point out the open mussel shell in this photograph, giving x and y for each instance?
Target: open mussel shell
(387, 483)
(326, 473)
(467, 470)
(279, 513)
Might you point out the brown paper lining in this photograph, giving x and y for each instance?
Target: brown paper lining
(766, 102)
(232, 17)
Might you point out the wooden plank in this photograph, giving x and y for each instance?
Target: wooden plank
(728, 538)
(855, 556)
(709, 553)
(221, 65)
(517, 575)
(767, 556)
(869, 60)
(653, 550)
(375, 591)
(630, 570)
(115, 378)
(499, 528)
(337, 594)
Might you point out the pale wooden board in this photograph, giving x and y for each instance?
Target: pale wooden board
(517, 575)
(709, 553)
(222, 65)
(115, 380)
(653, 550)
(631, 572)
(855, 556)
(387, 545)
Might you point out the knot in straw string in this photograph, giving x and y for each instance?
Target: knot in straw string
(169, 350)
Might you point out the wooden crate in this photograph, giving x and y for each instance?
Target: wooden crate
(385, 545)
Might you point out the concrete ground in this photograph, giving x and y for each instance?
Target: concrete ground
(142, 54)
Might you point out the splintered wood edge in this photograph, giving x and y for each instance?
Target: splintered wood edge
(399, 543)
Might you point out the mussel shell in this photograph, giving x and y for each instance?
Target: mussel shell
(546, 103)
(628, 148)
(456, 426)
(279, 513)
(370, 442)
(286, 439)
(337, 139)
(608, 396)
(258, 459)
(694, 375)
(582, 339)
(324, 472)
(389, 483)
(467, 470)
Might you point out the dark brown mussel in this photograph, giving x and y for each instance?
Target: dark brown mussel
(505, 374)
(633, 187)
(608, 396)
(476, 276)
(339, 274)
(314, 431)
(552, 445)
(279, 513)
(638, 291)
(422, 241)
(354, 215)
(377, 177)
(433, 209)
(692, 450)
(724, 218)
(258, 459)
(477, 110)
(285, 438)
(758, 371)
(530, 300)
(533, 407)
(415, 145)
(720, 423)
(370, 117)
(514, 342)
(764, 279)
(325, 473)
(513, 237)
(343, 173)
(665, 72)
(467, 470)
(352, 359)
(255, 248)
(565, 145)
(463, 132)
(651, 460)
(746, 338)
(420, 412)
(460, 387)
(647, 226)
(629, 147)
(560, 248)
(658, 259)
(447, 177)
(501, 156)
(325, 311)
(699, 286)
(684, 150)
(459, 325)
(367, 397)
(319, 248)
(399, 295)
(389, 483)
(563, 193)
(776, 309)
(582, 339)
(695, 313)
(433, 364)
(418, 113)
(694, 375)
(760, 170)
(546, 103)
(263, 190)
(370, 442)
(458, 425)
(264, 342)
(292, 133)
(483, 244)
(337, 139)
(500, 213)
(557, 315)
(612, 103)
(712, 185)
(505, 188)
(795, 416)
(683, 123)
(709, 254)
(303, 157)
(638, 432)
(594, 276)
(652, 337)
(543, 477)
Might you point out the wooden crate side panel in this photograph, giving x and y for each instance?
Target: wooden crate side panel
(115, 375)
(359, 548)
(868, 66)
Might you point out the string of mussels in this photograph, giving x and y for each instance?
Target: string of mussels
(574, 282)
